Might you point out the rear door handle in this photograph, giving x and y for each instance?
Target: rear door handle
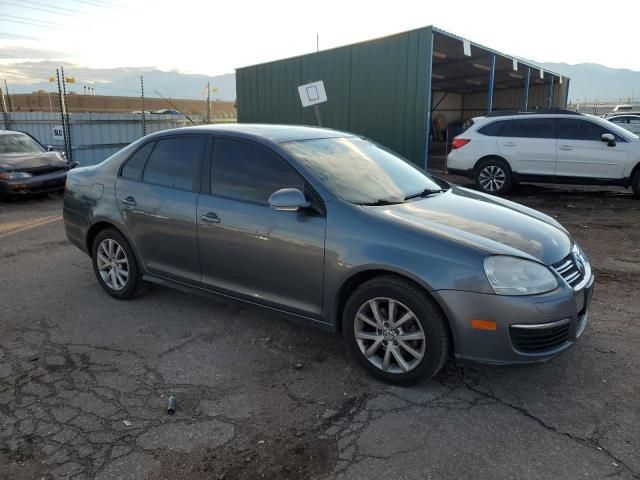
(130, 201)
(509, 144)
(565, 147)
(210, 217)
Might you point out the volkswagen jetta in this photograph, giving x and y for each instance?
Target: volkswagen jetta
(336, 230)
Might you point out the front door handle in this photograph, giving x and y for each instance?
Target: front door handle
(130, 201)
(565, 147)
(509, 144)
(210, 217)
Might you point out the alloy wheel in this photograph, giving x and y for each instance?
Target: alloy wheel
(113, 264)
(389, 335)
(492, 178)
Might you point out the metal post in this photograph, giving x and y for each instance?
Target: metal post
(550, 94)
(526, 89)
(428, 101)
(9, 101)
(492, 76)
(62, 110)
(208, 103)
(144, 120)
(5, 114)
(66, 115)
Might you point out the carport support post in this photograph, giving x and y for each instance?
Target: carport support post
(550, 94)
(492, 76)
(526, 89)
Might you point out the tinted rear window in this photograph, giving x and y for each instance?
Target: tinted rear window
(492, 130)
(174, 162)
(133, 168)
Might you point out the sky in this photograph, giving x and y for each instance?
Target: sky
(215, 37)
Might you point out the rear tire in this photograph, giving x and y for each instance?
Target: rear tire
(635, 183)
(400, 344)
(115, 265)
(493, 176)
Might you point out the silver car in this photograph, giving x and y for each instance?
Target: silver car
(335, 230)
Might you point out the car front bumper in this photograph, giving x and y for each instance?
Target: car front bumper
(528, 328)
(36, 184)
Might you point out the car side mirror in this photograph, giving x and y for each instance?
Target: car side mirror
(288, 200)
(609, 138)
(50, 148)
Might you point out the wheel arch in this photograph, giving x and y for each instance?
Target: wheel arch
(493, 156)
(101, 225)
(357, 279)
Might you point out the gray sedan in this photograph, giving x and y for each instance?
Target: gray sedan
(337, 231)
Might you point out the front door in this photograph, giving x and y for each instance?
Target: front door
(156, 194)
(582, 153)
(249, 250)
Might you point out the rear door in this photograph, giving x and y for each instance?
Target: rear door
(529, 144)
(582, 153)
(157, 196)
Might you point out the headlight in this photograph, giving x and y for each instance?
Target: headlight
(517, 276)
(14, 175)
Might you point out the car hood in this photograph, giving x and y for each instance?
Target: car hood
(19, 161)
(493, 224)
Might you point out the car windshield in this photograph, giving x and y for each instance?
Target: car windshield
(362, 172)
(620, 130)
(19, 143)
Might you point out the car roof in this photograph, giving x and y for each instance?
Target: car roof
(274, 133)
(11, 132)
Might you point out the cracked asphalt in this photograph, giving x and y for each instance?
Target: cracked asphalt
(84, 378)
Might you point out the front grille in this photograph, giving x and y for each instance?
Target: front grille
(569, 269)
(540, 338)
(44, 170)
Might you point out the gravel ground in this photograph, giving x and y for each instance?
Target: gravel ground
(84, 379)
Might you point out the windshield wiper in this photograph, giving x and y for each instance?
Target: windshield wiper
(424, 193)
(381, 201)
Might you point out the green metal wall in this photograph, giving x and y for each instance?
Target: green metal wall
(378, 88)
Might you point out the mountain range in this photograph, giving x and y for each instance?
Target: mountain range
(589, 81)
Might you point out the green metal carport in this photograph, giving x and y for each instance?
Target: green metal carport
(390, 88)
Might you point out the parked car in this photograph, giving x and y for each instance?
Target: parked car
(620, 109)
(628, 122)
(27, 167)
(503, 148)
(339, 232)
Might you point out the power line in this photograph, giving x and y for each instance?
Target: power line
(14, 36)
(38, 21)
(27, 23)
(109, 6)
(40, 4)
(43, 9)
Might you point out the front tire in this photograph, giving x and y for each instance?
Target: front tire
(493, 176)
(115, 265)
(396, 331)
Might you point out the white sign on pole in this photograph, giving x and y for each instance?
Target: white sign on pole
(541, 73)
(57, 133)
(312, 93)
(466, 47)
(515, 64)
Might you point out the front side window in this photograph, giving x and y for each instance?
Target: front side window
(174, 162)
(620, 120)
(576, 129)
(19, 143)
(249, 172)
(359, 171)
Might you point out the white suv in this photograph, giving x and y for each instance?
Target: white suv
(560, 147)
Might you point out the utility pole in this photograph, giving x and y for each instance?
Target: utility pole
(66, 115)
(144, 120)
(62, 109)
(6, 89)
(208, 103)
(317, 42)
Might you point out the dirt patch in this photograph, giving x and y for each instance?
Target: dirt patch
(293, 455)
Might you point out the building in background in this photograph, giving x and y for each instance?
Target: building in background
(402, 90)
